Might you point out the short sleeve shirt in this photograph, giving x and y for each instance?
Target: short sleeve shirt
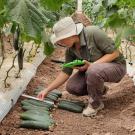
(94, 44)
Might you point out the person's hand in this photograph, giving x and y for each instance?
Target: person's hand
(42, 94)
(84, 67)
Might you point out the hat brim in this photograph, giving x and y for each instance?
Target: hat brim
(79, 27)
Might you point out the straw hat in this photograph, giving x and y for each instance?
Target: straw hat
(65, 28)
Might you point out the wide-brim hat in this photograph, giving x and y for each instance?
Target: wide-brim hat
(65, 28)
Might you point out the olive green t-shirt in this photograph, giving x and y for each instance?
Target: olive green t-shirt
(94, 43)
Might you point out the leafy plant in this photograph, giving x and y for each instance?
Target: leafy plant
(117, 15)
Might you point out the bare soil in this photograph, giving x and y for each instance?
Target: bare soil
(118, 117)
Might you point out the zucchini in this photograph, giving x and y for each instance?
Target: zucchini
(80, 103)
(52, 97)
(57, 92)
(16, 39)
(35, 124)
(31, 107)
(70, 106)
(20, 58)
(36, 117)
(39, 103)
(53, 94)
(35, 111)
(34, 106)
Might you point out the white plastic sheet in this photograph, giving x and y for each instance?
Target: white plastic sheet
(8, 97)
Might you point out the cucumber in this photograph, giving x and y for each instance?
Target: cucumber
(38, 103)
(35, 111)
(28, 107)
(36, 117)
(54, 94)
(52, 97)
(35, 124)
(70, 106)
(20, 58)
(34, 106)
(80, 103)
(57, 92)
(16, 39)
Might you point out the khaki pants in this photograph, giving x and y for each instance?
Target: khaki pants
(91, 82)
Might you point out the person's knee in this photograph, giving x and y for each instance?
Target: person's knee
(91, 72)
(92, 75)
(74, 89)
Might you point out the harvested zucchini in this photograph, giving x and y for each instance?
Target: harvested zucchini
(32, 116)
(57, 92)
(80, 103)
(36, 124)
(38, 103)
(70, 106)
(52, 97)
(32, 107)
(35, 111)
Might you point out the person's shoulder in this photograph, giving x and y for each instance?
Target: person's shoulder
(94, 30)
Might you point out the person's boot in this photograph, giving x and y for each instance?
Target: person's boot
(106, 88)
(91, 112)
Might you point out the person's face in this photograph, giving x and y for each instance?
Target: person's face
(67, 42)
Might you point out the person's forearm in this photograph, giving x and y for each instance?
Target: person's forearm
(108, 57)
(60, 79)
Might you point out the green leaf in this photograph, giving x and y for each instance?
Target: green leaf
(111, 10)
(111, 2)
(27, 15)
(118, 40)
(1, 4)
(115, 21)
(2, 13)
(134, 14)
(129, 33)
(48, 48)
(52, 4)
(96, 8)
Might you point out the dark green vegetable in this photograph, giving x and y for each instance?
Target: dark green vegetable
(57, 92)
(52, 97)
(36, 124)
(80, 103)
(35, 111)
(33, 107)
(38, 103)
(43, 117)
(24, 103)
(16, 39)
(74, 63)
(70, 106)
(20, 58)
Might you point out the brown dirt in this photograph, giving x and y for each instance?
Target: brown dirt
(118, 117)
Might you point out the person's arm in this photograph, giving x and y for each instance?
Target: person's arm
(104, 59)
(108, 57)
(60, 79)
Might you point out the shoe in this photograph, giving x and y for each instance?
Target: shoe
(106, 88)
(91, 112)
